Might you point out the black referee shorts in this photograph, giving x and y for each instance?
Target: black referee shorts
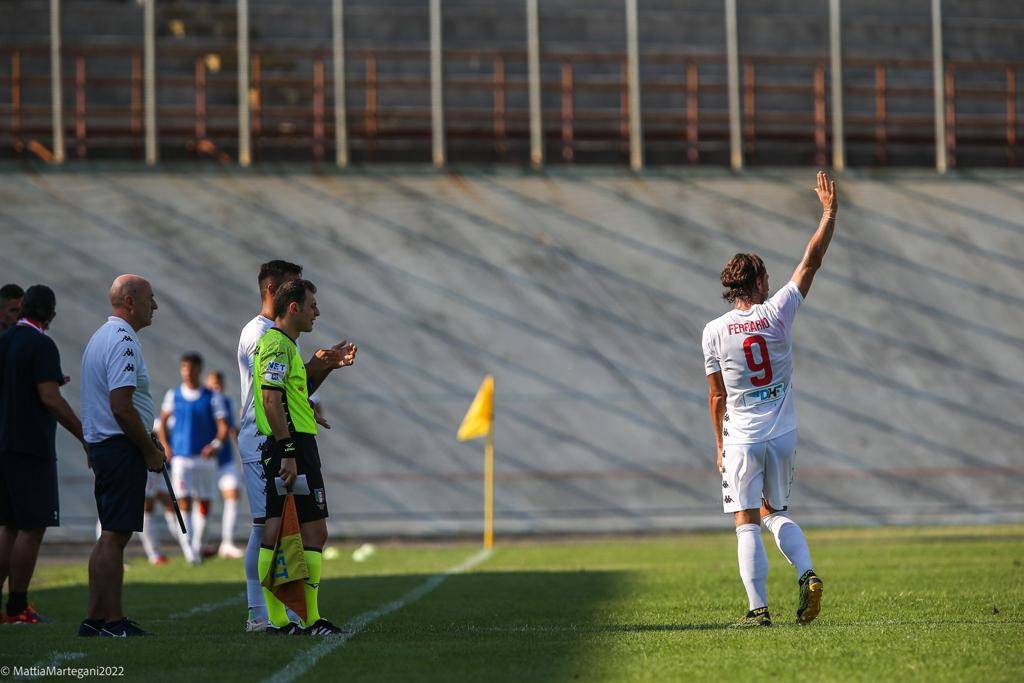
(120, 483)
(307, 461)
(28, 491)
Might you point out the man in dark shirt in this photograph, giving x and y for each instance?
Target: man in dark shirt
(10, 305)
(30, 406)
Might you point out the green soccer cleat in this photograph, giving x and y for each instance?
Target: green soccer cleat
(811, 588)
(753, 619)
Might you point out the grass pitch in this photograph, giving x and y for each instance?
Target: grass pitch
(935, 604)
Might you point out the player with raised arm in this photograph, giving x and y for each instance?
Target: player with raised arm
(748, 362)
(272, 276)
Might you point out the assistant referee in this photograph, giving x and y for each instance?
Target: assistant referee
(117, 413)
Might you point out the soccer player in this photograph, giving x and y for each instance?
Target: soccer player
(272, 275)
(10, 305)
(227, 472)
(284, 414)
(199, 432)
(747, 359)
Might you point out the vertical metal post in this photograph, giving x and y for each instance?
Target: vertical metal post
(533, 62)
(436, 85)
(836, 42)
(938, 81)
(244, 149)
(56, 95)
(732, 48)
(149, 80)
(636, 142)
(80, 106)
(340, 118)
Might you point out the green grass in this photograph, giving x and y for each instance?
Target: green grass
(935, 604)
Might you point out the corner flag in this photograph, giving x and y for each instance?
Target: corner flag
(479, 421)
(480, 416)
(288, 571)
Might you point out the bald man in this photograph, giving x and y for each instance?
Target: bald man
(117, 414)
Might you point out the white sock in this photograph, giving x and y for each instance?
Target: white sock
(753, 564)
(147, 536)
(227, 530)
(253, 589)
(198, 525)
(172, 526)
(99, 529)
(791, 541)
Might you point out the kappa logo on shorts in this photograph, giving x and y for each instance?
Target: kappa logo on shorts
(725, 484)
(728, 499)
(129, 368)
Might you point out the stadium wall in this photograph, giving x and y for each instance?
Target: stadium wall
(585, 294)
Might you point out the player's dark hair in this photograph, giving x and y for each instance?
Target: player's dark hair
(277, 271)
(193, 358)
(740, 276)
(39, 303)
(293, 291)
(11, 291)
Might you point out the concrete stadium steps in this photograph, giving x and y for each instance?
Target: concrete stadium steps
(585, 295)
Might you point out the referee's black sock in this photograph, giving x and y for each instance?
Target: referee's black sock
(16, 603)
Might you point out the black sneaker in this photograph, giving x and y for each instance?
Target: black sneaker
(811, 588)
(322, 627)
(90, 628)
(125, 628)
(289, 629)
(754, 619)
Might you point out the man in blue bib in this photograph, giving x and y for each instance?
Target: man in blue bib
(193, 429)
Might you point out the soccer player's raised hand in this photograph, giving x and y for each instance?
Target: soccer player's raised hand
(826, 190)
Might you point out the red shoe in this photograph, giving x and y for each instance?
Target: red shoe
(159, 560)
(27, 616)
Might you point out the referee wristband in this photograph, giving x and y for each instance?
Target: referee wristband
(285, 448)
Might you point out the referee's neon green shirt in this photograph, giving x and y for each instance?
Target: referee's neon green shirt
(277, 365)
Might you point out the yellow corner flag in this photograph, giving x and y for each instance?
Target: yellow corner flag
(480, 416)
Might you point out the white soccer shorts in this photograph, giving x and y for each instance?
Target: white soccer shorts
(194, 477)
(758, 471)
(154, 484)
(255, 488)
(228, 476)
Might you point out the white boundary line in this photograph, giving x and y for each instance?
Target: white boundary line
(208, 607)
(307, 659)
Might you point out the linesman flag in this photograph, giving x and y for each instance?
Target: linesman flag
(480, 416)
(288, 571)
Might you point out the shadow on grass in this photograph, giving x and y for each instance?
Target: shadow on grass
(525, 624)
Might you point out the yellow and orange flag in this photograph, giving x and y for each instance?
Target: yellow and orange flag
(480, 415)
(288, 572)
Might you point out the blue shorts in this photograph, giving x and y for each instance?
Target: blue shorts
(28, 491)
(120, 483)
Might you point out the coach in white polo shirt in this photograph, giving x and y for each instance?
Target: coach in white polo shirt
(117, 412)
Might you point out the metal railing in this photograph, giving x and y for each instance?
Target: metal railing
(540, 106)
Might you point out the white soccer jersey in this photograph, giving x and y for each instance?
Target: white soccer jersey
(753, 350)
(249, 437)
